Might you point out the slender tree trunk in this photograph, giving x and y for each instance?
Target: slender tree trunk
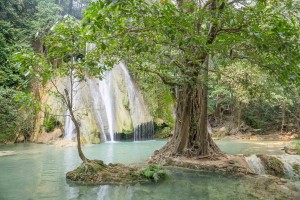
(297, 118)
(70, 7)
(239, 115)
(283, 118)
(70, 108)
(218, 113)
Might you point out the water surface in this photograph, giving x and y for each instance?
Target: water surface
(38, 172)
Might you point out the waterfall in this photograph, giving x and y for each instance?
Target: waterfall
(142, 121)
(288, 162)
(255, 164)
(69, 127)
(105, 88)
(114, 108)
(98, 106)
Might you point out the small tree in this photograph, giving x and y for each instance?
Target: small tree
(65, 56)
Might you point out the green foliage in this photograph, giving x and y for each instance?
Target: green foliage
(8, 115)
(252, 48)
(13, 119)
(22, 23)
(154, 172)
(158, 96)
(50, 123)
(168, 41)
(67, 45)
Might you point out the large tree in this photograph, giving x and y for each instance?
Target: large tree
(182, 43)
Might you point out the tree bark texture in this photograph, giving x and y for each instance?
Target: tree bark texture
(191, 137)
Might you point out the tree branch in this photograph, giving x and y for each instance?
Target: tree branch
(163, 78)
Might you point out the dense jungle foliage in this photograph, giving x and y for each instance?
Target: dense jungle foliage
(242, 93)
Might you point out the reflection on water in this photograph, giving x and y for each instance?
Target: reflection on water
(38, 172)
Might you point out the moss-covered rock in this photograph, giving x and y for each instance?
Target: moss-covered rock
(296, 168)
(96, 172)
(273, 165)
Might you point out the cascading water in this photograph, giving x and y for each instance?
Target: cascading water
(255, 164)
(288, 162)
(105, 88)
(115, 108)
(143, 124)
(98, 106)
(69, 127)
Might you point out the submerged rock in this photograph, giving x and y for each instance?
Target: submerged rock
(7, 153)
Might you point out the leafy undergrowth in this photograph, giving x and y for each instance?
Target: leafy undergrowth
(96, 172)
(154, 172)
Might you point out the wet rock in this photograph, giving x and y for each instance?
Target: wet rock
(273, 165)
(20, 138)
(283, 180)
(223, 131)
(231, 162)
(290, 151)
(50, 138)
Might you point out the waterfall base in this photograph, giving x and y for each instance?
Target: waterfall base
(96, 172)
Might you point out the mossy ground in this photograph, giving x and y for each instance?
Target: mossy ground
(96, 172)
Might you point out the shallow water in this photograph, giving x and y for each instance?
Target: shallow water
(38, 172)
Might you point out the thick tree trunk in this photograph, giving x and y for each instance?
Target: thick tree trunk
(191, 137)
